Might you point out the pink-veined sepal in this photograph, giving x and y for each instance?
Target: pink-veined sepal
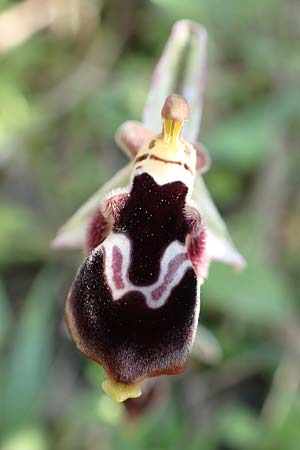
(72, 234)
(219, 245)
(181, 69)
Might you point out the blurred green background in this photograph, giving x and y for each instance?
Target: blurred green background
(71, 72)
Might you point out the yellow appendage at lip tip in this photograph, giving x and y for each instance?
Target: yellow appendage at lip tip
(120, 392)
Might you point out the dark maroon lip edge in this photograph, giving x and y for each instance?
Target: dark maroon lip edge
(167, 161)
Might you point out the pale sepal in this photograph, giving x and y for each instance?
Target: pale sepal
(180, 69)
(73, 233)
(219, 245)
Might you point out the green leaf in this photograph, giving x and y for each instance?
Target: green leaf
(29, 438)
(245, 138)
(28, 363)
(21, 236)
(5, 312)
(259, 295)
(239, 428)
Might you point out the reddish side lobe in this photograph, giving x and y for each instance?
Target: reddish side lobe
(102, 221)
(98, 230)
(196, 252)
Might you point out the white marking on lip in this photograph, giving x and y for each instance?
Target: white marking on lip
(157, 293)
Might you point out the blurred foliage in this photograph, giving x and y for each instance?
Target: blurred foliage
(64, 91)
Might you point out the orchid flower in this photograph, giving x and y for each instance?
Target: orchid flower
(149, 233)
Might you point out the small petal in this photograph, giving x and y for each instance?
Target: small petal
(203, 159)
(131, 136)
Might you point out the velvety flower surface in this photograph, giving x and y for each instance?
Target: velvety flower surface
(134, 304)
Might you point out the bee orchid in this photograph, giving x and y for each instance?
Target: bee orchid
(149, 234)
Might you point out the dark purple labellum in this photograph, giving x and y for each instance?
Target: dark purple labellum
(133, 305)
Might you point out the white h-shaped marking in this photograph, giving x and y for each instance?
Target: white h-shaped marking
(117, 253)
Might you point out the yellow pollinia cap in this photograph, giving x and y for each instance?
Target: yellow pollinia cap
(174, 113)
